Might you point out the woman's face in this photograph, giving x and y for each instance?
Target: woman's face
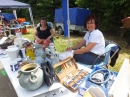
(43, 22)
(90, 25)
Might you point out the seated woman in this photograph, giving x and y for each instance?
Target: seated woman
(44, 33)
(94, 43)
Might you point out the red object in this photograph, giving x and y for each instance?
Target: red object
(125, 19)
(0, 28)
(43, 42)
(46, 42)
(24, 31)
(21, 20)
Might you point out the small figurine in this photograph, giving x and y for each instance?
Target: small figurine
(52, 55)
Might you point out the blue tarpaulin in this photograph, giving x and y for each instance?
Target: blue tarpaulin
(67, 17)
(77, 15)
(7, 16)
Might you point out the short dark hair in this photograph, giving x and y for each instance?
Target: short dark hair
(43, 18)
(90, 17)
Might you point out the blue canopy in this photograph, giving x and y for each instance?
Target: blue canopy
(11, 4)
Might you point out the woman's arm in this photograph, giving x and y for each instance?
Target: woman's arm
(35, 34)
(52, 33)
(80, 44)
(86, 49)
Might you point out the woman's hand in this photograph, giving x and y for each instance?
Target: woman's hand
(49, 38)
(68, 49)
(39, 40)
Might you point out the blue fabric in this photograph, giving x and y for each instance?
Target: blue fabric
(58, 16)
(8, 16)
(26, 23)
(87, 58)
(77, 15)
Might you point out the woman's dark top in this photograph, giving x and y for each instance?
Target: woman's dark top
(43, 34)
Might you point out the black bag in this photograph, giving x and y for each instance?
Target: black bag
(49, 73)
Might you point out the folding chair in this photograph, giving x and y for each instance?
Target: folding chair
(108, 49)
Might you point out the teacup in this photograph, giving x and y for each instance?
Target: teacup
(18, 61)
(14, 66)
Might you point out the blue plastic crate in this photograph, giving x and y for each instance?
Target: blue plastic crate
(103, 86)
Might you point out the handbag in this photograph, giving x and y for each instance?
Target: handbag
(49, 73)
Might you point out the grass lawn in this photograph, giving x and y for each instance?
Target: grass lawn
(61, 43)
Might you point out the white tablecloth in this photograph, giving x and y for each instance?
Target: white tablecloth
(21, 92)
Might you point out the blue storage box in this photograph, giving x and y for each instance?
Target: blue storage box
(106, 84)
(83, 87)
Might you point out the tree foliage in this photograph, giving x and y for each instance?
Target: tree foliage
(109, 12)
(45, 8)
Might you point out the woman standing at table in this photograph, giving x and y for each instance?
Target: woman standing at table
(44, 33)
(93, 41)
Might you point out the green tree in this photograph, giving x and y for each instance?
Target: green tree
(44, 8)
(109, 12)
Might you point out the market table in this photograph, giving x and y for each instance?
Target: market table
(21, 92)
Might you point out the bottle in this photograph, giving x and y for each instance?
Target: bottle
(30, 53)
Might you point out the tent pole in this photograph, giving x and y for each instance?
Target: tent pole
(68, 23)
(30, 11)
(15, 14)
(31, 16)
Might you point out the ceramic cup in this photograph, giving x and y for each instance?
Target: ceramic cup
(12, 53)
(11, 46)
(14, 66)
(18, 34)
(18, 60)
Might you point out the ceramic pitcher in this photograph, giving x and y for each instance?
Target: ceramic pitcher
(30, 76)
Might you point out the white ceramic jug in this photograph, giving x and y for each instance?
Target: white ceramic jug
(19, 34)
(12, 53)
(19, 42)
